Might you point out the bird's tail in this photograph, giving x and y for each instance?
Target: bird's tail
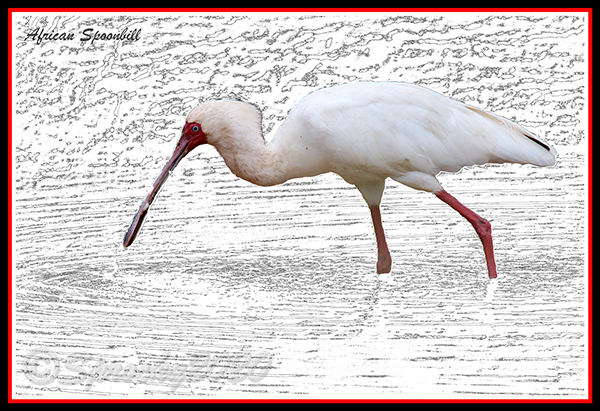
(543, 156)
(519, 145)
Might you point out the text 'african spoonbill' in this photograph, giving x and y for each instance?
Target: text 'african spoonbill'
(365, 132)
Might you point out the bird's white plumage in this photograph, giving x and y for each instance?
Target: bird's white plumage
(367, 132)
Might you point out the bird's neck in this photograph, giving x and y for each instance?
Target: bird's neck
(247, 155)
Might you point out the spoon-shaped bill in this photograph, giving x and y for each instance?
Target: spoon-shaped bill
(187, 143)
(138, 220)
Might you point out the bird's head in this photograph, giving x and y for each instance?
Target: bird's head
(220, 123)
(214, 122)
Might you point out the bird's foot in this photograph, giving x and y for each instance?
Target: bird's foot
(384, 264)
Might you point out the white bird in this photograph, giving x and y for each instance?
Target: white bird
(365, 132)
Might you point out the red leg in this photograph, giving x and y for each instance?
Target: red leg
(384, 260)
(481, 225)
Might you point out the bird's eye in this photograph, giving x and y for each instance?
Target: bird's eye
(195, 129)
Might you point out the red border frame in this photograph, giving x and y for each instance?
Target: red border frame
(293, 10)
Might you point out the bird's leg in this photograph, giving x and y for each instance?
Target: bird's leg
(384, 260)
(481, 225)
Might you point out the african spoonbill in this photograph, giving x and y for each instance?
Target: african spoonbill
(365, 132)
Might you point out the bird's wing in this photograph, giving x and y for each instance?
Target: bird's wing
(397, 123)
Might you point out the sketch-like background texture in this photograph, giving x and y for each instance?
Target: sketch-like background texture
(224, 271)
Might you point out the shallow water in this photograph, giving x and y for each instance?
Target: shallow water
(305, 291)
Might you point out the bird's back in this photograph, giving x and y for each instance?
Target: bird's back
(394, 128)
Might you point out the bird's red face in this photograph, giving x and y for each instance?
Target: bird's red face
(191, 137)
